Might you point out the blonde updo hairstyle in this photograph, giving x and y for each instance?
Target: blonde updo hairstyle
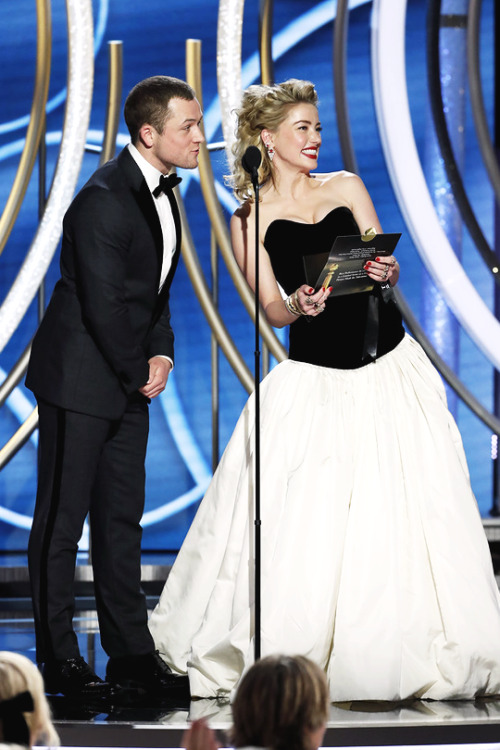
(264, 107)
(19, 675)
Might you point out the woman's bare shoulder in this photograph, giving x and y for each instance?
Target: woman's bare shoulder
(343, 186)
(335, 178)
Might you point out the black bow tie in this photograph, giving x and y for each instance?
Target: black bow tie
(166, 183)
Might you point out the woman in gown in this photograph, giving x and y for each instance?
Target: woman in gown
(374, 560)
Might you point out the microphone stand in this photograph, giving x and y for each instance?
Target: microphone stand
(250, 162)
(257, 519)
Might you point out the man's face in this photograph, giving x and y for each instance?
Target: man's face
(179, 143)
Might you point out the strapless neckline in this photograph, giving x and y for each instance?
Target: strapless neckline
(337, 337)
(306, 223)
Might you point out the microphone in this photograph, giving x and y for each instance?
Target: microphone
(251, 161)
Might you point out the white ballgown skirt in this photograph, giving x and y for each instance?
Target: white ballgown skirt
(374, 560)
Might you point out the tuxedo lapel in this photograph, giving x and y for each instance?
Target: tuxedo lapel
(146, 204)
(178, 237)
(145, 201)
(148, 208)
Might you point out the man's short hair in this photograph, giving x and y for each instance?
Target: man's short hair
(148, 102)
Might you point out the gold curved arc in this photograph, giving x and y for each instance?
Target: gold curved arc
(19, 438)
(217, 220)
(115, 78)
(210, 311)
(14, 377)
(16, 442)
(36, 123)
(265, 41)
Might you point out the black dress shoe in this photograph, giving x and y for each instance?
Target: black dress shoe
(146, 674)
(73, 677)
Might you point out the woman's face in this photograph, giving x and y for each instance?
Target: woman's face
(297, 140)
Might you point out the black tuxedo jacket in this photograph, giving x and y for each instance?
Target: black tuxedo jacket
(105, 318)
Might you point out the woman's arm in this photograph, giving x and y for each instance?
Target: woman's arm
(275, 308)
(387, 268)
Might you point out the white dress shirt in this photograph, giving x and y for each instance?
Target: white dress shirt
(162, 203)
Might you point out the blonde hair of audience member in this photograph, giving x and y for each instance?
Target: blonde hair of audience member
(18, 675)
(264, 107)
(282, 703)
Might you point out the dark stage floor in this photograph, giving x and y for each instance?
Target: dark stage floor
(360, 724)
(350, 725)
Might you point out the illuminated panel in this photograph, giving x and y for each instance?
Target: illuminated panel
(396, 132)
(80, 82)
(229, 26)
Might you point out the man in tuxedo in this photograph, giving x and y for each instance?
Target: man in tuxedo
(103, 350)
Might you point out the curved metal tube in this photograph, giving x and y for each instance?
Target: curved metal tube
(489, 419)
(36, 122)
(115, 78)
(265, 41)
(77, 114)
(207, 305)
(14, 377)
(411, 321)
(451, 378)
(349, 158)
(340, 86)
(443, 137)
(70, 155)
(266, 8)
(486, 146)
(115, 51)
(409, 183)
(19, 438)
(218, 222)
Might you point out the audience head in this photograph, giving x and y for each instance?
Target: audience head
(264, 108)
(282, 703)
(24, 711)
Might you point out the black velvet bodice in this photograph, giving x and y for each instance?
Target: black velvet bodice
(336, 337)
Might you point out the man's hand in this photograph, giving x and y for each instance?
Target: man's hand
(159, 369)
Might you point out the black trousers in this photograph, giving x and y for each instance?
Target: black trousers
(89, 465)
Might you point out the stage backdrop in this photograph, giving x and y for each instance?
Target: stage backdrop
(179, 463)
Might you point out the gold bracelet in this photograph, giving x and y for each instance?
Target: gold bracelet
(290, 307)
(296, 303)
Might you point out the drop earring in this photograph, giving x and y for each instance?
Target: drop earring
(270, 151)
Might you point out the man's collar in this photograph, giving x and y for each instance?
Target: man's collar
(150, 173)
